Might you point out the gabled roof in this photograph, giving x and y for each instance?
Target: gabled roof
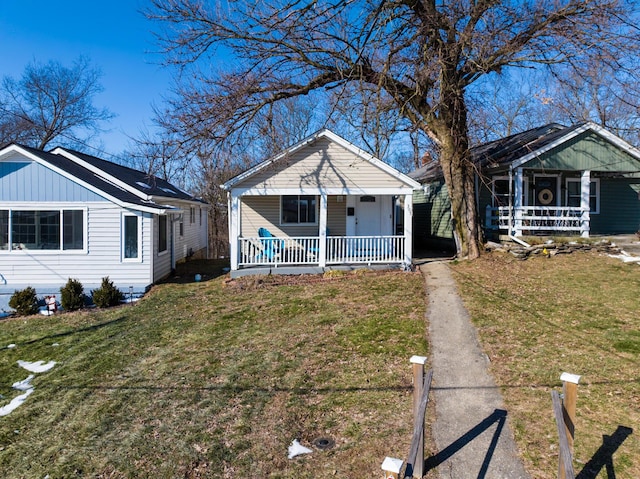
(518, 149)
(324, 133)
(115, 182)
(137, 182)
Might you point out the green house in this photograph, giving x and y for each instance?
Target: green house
(553, 180)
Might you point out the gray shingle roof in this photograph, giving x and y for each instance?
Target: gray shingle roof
(503, 151)
(150, 186)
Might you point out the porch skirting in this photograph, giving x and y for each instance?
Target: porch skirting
(307, 269)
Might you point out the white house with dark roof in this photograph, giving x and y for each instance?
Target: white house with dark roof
(65, 214)
(320, 204)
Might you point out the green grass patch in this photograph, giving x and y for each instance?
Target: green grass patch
(540, 317)
(215, 379)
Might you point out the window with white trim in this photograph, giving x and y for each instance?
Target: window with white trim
(43, 230)
(298, 209)
(192, 215)
(162, 233)
(500, 191)
(4, 229)
(131, 237)
(574, 186)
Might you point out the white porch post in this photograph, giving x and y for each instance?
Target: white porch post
(585, 205)
(322, 230)
(517, 202)
(234, 230)
(408, 228)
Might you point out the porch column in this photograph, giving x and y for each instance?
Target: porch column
(234, 230)
(517, 203)
(322, 230)
(408, 229)
(585, 204)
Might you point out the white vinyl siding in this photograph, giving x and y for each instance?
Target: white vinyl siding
(324, 164)
(101, 258)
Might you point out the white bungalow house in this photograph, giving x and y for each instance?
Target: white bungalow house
(320, 204)
(65, 214)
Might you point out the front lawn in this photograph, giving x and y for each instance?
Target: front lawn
(216, 380)
(576, 313)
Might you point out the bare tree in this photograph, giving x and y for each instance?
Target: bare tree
(423, 54)
(51, 102)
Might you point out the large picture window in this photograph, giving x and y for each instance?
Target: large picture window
(298, 209)
(45, 230)
(573, 194)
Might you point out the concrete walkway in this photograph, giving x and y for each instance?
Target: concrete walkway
(471, 428)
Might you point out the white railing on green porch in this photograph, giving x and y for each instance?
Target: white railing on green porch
(536, 219)
(279, 251)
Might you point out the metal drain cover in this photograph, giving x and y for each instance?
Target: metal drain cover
(323, 443)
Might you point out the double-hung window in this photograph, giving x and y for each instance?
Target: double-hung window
(500, 191)
(130, 237)
(298, 209)
(574, 194)
(43, 230)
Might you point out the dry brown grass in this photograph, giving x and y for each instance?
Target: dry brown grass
(576, 313)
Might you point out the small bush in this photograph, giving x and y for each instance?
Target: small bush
(107, 294)
(25, 301)
(72, 295)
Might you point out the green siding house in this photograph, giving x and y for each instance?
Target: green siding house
(552, 180)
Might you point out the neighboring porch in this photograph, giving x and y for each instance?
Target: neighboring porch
(527, 203)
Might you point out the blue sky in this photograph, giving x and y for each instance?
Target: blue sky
(116, 38)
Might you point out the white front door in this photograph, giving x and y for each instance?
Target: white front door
(369, 216)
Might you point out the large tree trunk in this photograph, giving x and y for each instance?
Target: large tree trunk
(458, 171)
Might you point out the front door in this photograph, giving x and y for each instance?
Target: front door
(370, 216)
(546, 192)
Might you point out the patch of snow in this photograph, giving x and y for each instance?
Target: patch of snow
(24, 385)
(15, 403)
(296, 449)
(626, 258)
(37, 366)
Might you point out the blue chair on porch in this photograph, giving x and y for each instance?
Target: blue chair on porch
(271, 248)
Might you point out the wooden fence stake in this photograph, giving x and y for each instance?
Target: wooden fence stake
(391, 467)
(418, 363)
(570, 396)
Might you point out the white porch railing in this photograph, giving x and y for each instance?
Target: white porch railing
(365, 249)
(538, 219)
(306, 250)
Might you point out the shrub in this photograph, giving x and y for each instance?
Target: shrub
(25, 301)
(72, 295)
(107, 294)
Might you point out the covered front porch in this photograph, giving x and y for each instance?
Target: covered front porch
(536, 203)
(329, 231)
